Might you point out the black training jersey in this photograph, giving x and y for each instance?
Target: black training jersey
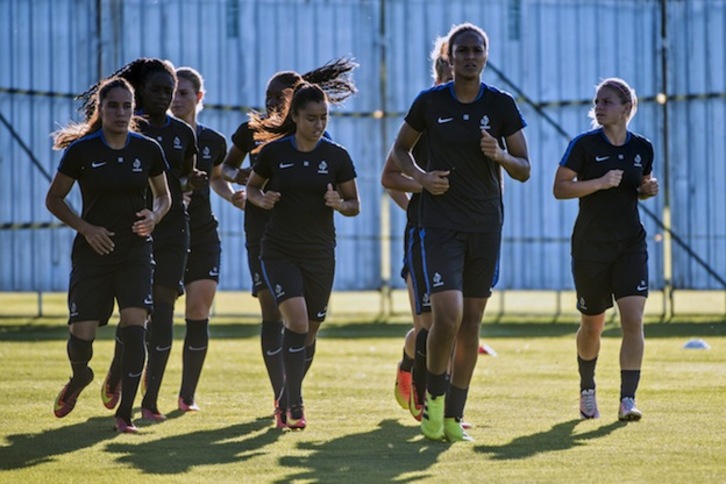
(300, 221)
(178, 141)
(421, 155)
(212, 149)
(255, 217)
(453, 129)
(113, 182)
(607, 215)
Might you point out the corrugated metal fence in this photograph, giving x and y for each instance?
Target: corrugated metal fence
(548, 53)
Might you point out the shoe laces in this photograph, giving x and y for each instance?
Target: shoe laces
(588, 401)
(627, 403)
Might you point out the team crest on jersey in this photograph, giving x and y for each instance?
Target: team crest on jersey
(484, 123)
(137, 166)
(177, 143)
(323, 168)
(638, 162)
(206, 153)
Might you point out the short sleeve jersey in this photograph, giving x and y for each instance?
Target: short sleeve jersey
(113, 182)
(212, 149)
(300, 221)
(255, 217)
(607, 215)
(178, 141)
(473, 201)
(421, 155)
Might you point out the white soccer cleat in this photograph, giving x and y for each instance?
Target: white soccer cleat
(588, 404)
(628, 411)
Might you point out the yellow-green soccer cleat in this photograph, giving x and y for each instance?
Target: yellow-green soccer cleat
(432, 423)
(454, 432)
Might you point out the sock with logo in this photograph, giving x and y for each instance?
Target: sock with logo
(132, 366)
(293, 347)
(271, 336)
(159, 343)
(629, 380)
(587, 373)
(419, 365)
(80, 352)
(455, 402)
(309, 355)
(195, 350)
(115, 369)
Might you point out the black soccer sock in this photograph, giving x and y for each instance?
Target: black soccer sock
(309, 355)
(132, 366)
(80, 352)
(293, 347)
(118, 348)
(406, 362)
(159, 344)
(196, 342)
(455, 402)
(587, 373)
(271, 337)
(629, 380)
(419, 365)
(436, 384)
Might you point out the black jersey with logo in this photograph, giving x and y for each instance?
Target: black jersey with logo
(212, 149)
(300, 221)
(453, 129)
(178, 141)
(113, 182)
(255, 217)
(607, 215)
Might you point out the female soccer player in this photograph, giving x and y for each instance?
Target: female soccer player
(609, 169)
(333, 78)
(154, 81)
(466, 123)
(411, 375)
(203, 265)
(112, 252)
(309, 177)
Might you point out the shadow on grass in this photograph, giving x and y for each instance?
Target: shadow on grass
(396, 450)
(560, 437)
(57, 331)
(28, 450)
(179, 453)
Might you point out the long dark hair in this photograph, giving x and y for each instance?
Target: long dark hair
(73, 131)
(280, 123)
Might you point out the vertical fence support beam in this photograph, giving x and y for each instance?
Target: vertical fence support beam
(667, 240)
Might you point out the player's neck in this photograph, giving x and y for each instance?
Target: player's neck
(115, 141)
(466, 90)
(617, 135)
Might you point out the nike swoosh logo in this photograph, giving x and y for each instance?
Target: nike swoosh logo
(601, 158)
(322, 314)
(296, 350)
(444, 120)
(641, 288)
(159, 348)
(195, 348)
(148, 300)
(213, 273)
(286, 165)
(274, 352)
(135, 375)
(97, 164)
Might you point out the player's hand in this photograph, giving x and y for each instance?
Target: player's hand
(239, 199)
(490, 147)
(269, 199)
(649, 188)
(611, 179)
(243, 175)
(198, 179)
(436, 182)
(146, 223)
(99, 239)
(333, 198)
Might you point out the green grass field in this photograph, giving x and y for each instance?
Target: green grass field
(523, 405)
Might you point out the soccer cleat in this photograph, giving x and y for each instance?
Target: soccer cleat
(280, 417)
(628, 411)
(67, 397)
(465, 425)
(295, 418)
(188, 405)
(110, 396)
(124, 426)
(402, 390)
(152, 414)
(454, 431)
(432, 423)
(414, 405)
(588, 404)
